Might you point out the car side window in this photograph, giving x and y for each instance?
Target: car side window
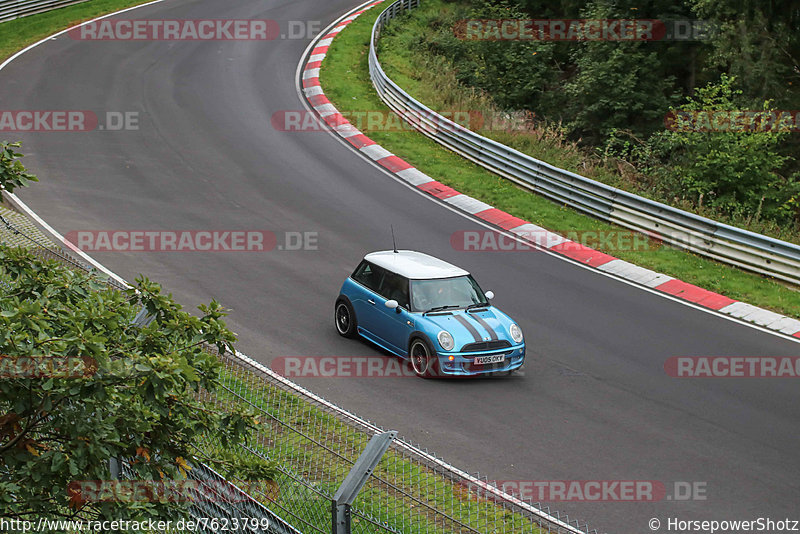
(395, 287)
(368, 276)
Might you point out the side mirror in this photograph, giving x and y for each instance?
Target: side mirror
(489, 295)
(392, 304)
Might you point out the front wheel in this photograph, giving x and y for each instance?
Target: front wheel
(345, 319)
(423, 360)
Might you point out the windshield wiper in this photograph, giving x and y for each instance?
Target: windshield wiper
(477, 305)
(440, 308)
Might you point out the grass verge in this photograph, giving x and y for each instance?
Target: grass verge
(19, 33)
(345, 79)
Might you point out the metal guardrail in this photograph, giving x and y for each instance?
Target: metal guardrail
(14, 9)
(718, 241)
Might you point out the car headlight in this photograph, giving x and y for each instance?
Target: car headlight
(446, 340)
(516, 333)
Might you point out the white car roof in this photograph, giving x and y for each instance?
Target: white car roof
(414, 265)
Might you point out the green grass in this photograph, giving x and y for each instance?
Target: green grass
(19, 33)
(345, 79)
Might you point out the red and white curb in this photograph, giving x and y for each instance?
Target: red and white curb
(524, 230)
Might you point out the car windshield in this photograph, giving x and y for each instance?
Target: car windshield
(445, 293)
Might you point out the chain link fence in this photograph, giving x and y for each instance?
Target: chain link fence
(411, 490)
(17, 230)
(316, 445)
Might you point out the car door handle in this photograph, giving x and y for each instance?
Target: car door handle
(371, 302)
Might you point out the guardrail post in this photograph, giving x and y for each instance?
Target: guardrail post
(355, 480)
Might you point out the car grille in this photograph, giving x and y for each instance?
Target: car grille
(485, 345)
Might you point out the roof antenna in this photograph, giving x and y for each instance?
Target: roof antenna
(394, 243)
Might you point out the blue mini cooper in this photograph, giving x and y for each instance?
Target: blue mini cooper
(429, 311)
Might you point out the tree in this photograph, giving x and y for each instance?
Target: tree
(81, 384)
(517, 73)
(617, 84)
(728, 168)
(758, 43)
(12, 172)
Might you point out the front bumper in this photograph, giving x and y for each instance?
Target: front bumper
(463, 362)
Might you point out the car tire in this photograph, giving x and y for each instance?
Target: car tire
(423, 359)
(344, 319)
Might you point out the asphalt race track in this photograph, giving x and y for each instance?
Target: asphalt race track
(594, 402)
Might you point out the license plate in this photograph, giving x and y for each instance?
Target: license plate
(483, 360)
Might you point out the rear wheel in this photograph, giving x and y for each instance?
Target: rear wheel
(345, 319)
(423, 360)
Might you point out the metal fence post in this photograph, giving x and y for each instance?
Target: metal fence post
(355, 480)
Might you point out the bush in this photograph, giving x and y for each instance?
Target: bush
(81, 384)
